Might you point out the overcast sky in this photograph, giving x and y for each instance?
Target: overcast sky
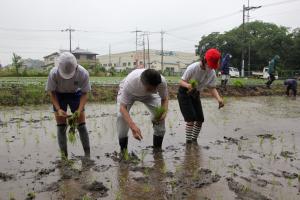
(100, 23)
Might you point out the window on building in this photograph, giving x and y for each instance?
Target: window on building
(115, 64)
(129, 64)
(109, 64)
(104, 65)
(141, 62)
(124, 64)
(77, 56)
(134, 63)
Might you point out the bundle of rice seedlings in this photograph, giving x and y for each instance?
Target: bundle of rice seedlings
(158, 112)
(72, 122)
(193, 83)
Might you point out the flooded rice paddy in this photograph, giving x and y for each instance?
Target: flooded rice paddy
(248, 150)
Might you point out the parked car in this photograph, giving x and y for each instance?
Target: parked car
(264, 74)
(233, 72)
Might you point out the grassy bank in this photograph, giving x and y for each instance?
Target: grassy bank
(30, 91)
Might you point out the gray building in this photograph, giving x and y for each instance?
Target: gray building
(174, 61)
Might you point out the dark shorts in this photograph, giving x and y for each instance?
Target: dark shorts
(190, 105)
(68, 99)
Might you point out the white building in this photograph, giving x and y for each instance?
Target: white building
(174, 61)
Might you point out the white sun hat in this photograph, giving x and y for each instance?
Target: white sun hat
(66, 64)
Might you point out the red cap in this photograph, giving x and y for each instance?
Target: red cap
(212, 57)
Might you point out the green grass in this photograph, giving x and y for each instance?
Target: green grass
(31, 90)
(116, 80)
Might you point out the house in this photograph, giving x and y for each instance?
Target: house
(175, 62)
(84, 57)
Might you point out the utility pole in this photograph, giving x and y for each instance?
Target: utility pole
(249, 42)
(136, 45)
(109, 56)
(248, 8)
(243, 49)
(149, 63)
(144, 51)
(162, 50)
(70, 30)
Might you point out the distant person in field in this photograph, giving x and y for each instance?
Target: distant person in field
(150, 88)
(272, 70)
(197, 76)
(291, 85)
(225, 76)
(68, 85)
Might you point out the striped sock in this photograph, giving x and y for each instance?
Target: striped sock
(189, 131)
(196, 130)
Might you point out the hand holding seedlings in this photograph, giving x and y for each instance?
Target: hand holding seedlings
(61, 113)
(136, 132)
(159, 114)
(192, 85)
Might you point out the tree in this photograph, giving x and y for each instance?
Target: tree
(265, 39)
(17, 62)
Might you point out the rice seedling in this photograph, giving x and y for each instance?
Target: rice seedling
(37, 139)
(118, 195)
(31, 195)
(289, 182)
(239, 146)
(193, 83)
(173, 184)
(164, 169)
(158, 112)
(146, 171)
(86, 197)
(53, 136)
(11, 196)
(261, 141)
(143, 155)
(146, 188)
(72, 123)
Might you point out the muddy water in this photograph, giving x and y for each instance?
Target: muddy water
(248, 150)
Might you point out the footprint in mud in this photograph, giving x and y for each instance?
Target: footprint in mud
(236, 167)
(243, 192)
(289, 175)
(6, 177)
(256, 172)
(97, 187)
(244, 157)
(287, 154)
(44, 172)
(267, 136)
(204, 177)
(228, 140)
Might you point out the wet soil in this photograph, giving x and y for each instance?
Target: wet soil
(248, 150)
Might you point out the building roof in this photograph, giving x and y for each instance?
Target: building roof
(75, 51)
(82, 51)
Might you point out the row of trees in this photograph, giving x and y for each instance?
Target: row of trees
(265, 39)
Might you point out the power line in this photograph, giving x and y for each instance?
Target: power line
(204, 22)
(278, 3)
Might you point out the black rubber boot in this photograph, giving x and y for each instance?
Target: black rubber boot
(123, 142)
(62, 140)
(84, 137)
(157, 142)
